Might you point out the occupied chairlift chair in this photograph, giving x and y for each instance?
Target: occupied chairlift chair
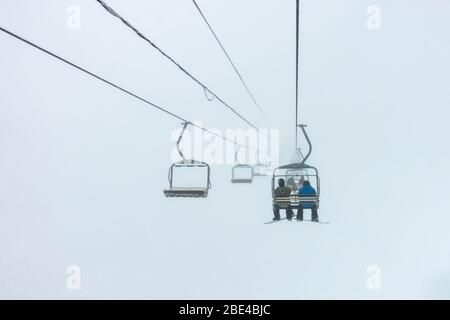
(235, 176)
(187, 192)
(297, 170)
(312, 174)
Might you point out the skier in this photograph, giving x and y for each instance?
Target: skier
(307, 190)
(291, 184)
(282, 191)
(302, 179)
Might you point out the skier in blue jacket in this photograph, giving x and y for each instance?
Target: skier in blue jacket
(307, 190)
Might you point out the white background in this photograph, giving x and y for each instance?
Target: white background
(82, 166)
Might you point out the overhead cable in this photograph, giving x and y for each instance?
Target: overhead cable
(252, 96)
(170, 113)
(142, 36)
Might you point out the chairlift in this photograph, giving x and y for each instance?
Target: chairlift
(300, 171)
(236, 171)
(186, 164)
(305, 171)
(260, 169)
(294, 199)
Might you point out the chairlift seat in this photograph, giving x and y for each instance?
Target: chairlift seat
(238, 180)
(296, 200)
(183, 192)
(235, 179)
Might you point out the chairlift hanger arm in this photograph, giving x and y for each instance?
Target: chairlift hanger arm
(297, 51)
(185, 124)
(236, 155)
(303, 126)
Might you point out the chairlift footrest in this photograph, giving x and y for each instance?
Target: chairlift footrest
(241, 180)
(186, 193)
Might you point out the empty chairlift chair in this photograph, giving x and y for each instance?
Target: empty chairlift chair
(260, 169)
(187, 164)
(241, 173)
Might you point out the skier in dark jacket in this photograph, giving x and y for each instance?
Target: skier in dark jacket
(282, 191)
(307, 190)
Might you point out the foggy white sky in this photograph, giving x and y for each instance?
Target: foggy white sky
(82, 166)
